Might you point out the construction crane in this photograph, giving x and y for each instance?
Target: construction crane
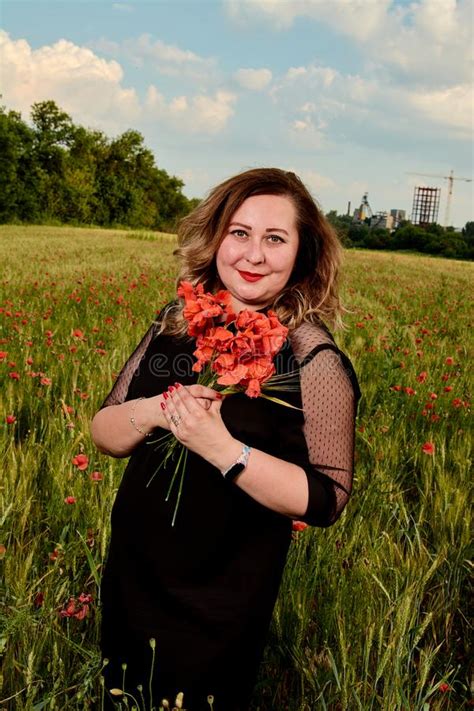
(450, 178)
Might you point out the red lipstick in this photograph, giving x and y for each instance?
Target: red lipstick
(249, 276)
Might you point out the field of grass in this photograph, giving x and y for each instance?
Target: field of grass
(372, 613)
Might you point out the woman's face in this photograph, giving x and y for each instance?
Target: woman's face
(261, 239)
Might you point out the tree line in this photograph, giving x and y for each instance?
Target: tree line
(52, 170)
(431, 239)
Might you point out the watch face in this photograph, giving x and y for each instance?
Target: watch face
(234, 471)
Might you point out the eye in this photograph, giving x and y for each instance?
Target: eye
(275, 237)
(239, 233)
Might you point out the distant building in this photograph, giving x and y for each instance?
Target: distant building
(363, 213)
(382, 220)
(425, 206)
(398, 216)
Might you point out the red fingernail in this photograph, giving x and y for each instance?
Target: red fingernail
(178, 385)
(162, 405)
(219, 396)
(165, 395)
(171, 388)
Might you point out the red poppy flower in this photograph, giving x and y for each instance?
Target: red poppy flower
(3, 355)
(422, 376)
(38, 599)
(14, 375)
(70, 500)
(81, 461)
(409, 391)
(457, 402)
(449, 360)
(299, 525)
(46, 381)
(428, 448)
(96, 476)
(10, 419)
(444, 688)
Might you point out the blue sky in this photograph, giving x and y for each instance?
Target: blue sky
(350, 94)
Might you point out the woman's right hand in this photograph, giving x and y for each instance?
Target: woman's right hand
(153, 415)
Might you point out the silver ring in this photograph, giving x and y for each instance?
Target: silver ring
(175, 420)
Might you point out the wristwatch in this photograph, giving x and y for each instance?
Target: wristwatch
(238, 466)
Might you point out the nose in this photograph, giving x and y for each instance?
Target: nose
(254, 252)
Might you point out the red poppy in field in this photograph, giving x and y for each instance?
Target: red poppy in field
(444, 688)
(70, 500)
(77, 333)
(409, 391)
(433, 396)
(457, 402)
(396, 388)
(299, 525)
(38, 599)
(10, 419)
(96, 476)
(3, 355)
(449, 360)
(77, 608)
(29, 361)
(81, 461)
(14, 375)
(46, 381)
(422, 376)
(428, 448)
(448, 388)
(54, 554)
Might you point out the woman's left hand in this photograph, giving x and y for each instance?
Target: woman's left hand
(202, 431)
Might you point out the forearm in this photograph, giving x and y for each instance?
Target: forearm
(114, 434)
(273, 482)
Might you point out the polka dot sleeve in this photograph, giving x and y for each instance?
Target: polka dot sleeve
(120, 389)
(329, 393)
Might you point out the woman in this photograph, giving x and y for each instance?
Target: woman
(205, 588)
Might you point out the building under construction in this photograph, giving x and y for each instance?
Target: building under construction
(425, 206)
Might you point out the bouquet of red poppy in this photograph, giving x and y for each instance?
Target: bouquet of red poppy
(233, 351)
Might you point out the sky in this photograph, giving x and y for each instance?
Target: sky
(352, 95)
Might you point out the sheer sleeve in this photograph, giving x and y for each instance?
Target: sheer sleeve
(329, 393)
(120, 389)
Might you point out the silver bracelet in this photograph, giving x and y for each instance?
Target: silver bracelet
(239, 465)
(132, 418)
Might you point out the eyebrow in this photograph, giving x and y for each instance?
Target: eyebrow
(269, 229)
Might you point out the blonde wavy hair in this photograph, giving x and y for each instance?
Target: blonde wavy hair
(311, 293)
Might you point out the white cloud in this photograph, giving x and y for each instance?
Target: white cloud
(253, 79)
(91, 89)
(81, 82)
(360, 18)
(122, 7)
(318, 101)
(451, 107)
(315, 181)
(429, 40)
(199, 114)
(167, 59)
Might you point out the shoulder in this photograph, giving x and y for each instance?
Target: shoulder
(309, 339)
(319, 357)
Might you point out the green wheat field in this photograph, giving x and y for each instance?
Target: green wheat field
(372, 613)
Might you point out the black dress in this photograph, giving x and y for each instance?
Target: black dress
(203, 589)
